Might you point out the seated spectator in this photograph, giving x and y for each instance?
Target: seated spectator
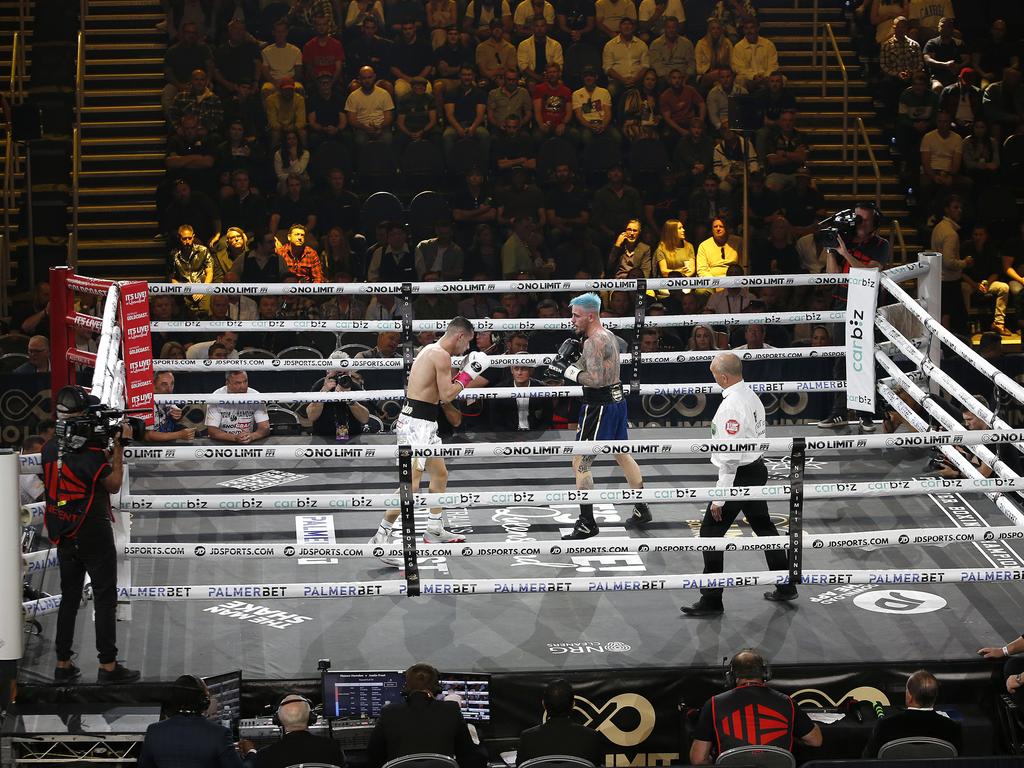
(775, 100)
(237, 60)
(340, 419)
(417, 116)
(981, 154)
(509, 98)
(962, 100)
(625, 57)
(718, 97)
(513, 149)
(753, 338)
(241, 423)
(900, 59)
(172, 350)
(323, 55)
(325, 112)
(187, 737)
(383, 307)
(473, 205)
(368, 50)
(628, 253)
(558, 734)
(433, 306)
(716, 254)
(664, 198)
(941, 157)
(944, 56)
(260, 265)
(485, 250)
(765, 204)
(286, 111)
(291, 158)
(1011, 252)
(229, 249)
(926, 17)
(393, 261)
(1003, 102)
(339, 207)
(731, 301)
(343, 306)
(464, 110)
(919, 718)
(674, 254)
(280, 60)
(442, 16)
(592, 106)
(713, 56)
(239, 152)
(693, 157)
(706, 203)
(982, 277)
(370, 110)
(480, 17)
(191, 157)
(754, 58)
(301, 259)
(32, 316)
(680, 104)
(567, 205)
(246, 106)
(338, 258)
(181, 60)
(411, 56)
(244, 208)
(747, 673)
(451, 56)
(703, 339)
(38, 356)
(525, 13)
(166, 416)
(224, 307)
(520, 252)
(295, 206)
(776, 255)
(521, 414)
(440, 254)
(552, 105)
(917, 110)
(193, 208)
(609, 15)
(733, 152)
(615, 204)
(784, 150)
(671, 50)
(803, 203)
(191, 262)
(996, 52)
(420, 722)
(733, 15)
(200, 101)
(495, 55)
(520, 199)
(537, 51)
(163, 308)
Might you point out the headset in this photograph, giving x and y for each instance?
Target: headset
(197, 688)
(294, 698)
(433, 681)
(877, 218)
(761, 670)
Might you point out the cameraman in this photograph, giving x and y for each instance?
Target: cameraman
(78, 519)
(339, 419)
(866, 250)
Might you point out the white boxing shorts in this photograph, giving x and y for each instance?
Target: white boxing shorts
(412, 431)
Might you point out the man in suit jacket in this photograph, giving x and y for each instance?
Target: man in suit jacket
(919, 719)
(297, 745)
(511, 415)
(421, 722)
(187, 738)
(559, 735)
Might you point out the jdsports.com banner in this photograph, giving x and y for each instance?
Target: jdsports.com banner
(860, 339)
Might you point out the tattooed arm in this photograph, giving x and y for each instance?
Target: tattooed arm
(600, 360)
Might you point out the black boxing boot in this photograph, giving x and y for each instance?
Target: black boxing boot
(586, 525)
(641, 516)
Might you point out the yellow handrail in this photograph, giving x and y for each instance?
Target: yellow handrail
(76, 147)
(861, 134)
(846, 81)
(8, 203)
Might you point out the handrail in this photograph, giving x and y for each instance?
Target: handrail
(861, 134)
(76, 145)
(16, 86)
(846, 81)
(901, 243)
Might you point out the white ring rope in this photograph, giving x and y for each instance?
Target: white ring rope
(495, 361)
(488, 393)
(503, 497)
(487, 324)
(863, 540)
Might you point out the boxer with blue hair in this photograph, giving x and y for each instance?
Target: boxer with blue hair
(594, 363)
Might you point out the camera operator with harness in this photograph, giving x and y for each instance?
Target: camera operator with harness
(80, 473)
(850, 239)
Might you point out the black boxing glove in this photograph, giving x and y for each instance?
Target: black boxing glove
(567, 355)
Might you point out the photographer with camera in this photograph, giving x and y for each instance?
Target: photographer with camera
(850, 239)
(340, 420)
(79, 474)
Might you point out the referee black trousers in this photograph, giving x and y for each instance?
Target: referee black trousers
(754, 474)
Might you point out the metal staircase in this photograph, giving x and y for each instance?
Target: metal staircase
(15, 47)
(821, 116)
(122, 138)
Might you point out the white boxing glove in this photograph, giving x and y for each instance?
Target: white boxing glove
(572, 373)
(475, 364)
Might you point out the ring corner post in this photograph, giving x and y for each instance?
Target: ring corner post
(12, 632)
(796, 509)
(929, 293)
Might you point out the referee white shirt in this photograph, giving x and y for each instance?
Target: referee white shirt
(739, 417)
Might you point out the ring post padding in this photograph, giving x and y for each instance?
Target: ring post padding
(407, 341)
(412, 570)
(796, 509)
(640, 312)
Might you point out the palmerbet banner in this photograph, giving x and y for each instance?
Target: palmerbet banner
(860, 339)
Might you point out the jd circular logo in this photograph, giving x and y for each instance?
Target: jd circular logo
(467, 551)
(556, 550)
(643, 548)
(904, 539)
(730, 547)
(818, 544)
(200, 551)
(289, 551)
(904, 601)
(378, 551)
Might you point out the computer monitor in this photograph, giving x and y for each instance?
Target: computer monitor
(474, 692)
(225, 698)
(352, 695)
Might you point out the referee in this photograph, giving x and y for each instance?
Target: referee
(739, 417)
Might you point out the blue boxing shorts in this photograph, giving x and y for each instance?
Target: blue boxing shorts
(605, 421)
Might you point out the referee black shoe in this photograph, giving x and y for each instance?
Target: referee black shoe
(703, 608)
(584, 529)
(781, 594)
(641, 516)
(119, 674)
(66, 674)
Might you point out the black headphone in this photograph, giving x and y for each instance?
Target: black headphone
(294, 698)
(199, 695)
(761, 669)
(876, 215)
(433, 681)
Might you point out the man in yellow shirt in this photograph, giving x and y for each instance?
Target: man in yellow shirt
(716, 254)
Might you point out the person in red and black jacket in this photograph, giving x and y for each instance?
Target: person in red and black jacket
(750, 713)
(78, 484)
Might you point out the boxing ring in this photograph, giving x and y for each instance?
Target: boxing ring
(255, 556)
